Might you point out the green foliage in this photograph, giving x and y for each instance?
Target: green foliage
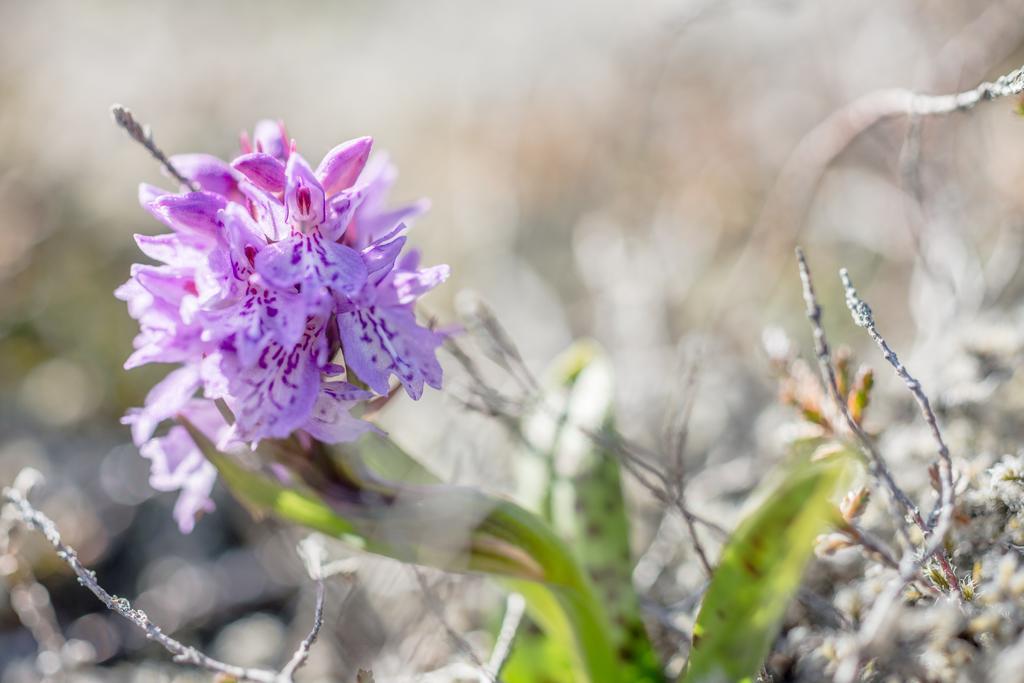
(575, 484)
(448, 527)
(761, 567)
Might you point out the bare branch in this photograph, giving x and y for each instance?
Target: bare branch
(515, 606)
(144, 136)
(435, 605)
(817, 149)
(298, 659)
(183, 654)
(862, 316)
(878, 467)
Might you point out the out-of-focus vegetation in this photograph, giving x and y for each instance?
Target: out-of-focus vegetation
(595, 169)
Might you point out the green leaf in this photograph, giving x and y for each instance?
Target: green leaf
(576, 485)
(447, 527)
(761, 567)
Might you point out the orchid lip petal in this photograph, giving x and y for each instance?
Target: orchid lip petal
(304, 197)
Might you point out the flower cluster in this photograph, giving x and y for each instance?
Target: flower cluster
(284, 294)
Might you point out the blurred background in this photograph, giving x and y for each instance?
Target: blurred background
(596, 169)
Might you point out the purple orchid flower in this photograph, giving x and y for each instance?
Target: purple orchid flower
(278, 291)
(177, 464)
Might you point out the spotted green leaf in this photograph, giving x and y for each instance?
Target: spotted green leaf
(565, 475)
(761, 566)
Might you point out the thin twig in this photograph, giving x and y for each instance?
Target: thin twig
(144, 136)
(635, 459)
(877, 464)
(817, 149)
(183, 654)
(878, 467)
(874, 545)
(298, 659)
(515, 606)
(863, 317)
(29, 599)
(436, 607)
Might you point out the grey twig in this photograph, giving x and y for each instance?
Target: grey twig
(29, 599)
(144, 136)
(635, 459)
(876, 463)
(863, 317)
(828, 139)
(183, 654)
(302, 652)
(871, 544)
(435, 605)
(515, 606)
(878, 467)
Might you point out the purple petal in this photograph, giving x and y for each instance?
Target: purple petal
(409, 261)
(268, 211)
(373, 224)
(194, 212)
(270, 137)
(305, 201)
(330, 421)
(212, 174)
(405, 287)
(342, 165)
(171, 248)
(163, 401)
(378, 342)
(312, 263)
(176, 464)
(263, 170)
(342, 210)
(194, 500)
(135, 295)
(380, 256)
(147, 193)
(165, 282)
(273, 397)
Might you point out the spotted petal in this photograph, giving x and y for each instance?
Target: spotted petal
(312, 263)
(305, 201)
(381, 341)
(274, 396)
(331, 421)
(407, 286)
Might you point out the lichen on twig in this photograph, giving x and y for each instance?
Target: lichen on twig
(143, 135)
(24, 512)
